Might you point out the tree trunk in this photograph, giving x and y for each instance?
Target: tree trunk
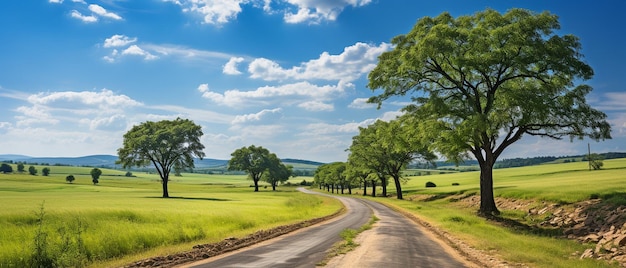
(487, 201)
(384, 185)
(364, 188)
(373, 188)
(349, 189)
(256, 185)
(273, 186)
(342, 186)
(166, 194)
(396, 180)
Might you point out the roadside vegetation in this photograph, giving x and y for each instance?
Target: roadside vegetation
(46, 220)
(515, 235)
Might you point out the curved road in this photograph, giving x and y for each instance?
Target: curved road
(400, 243)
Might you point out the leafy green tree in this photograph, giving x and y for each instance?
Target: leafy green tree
(20, 167)
(32, 170)
(253, 160)
(165, 144)
(387, 148)
(95, 175)
(483, 81)
(277, 172)
(6, 168)
(595, 161)
(70, 178)
(45, 171)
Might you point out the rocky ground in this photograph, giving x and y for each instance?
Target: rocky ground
(590, 221)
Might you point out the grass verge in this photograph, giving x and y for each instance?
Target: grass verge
(347, 244)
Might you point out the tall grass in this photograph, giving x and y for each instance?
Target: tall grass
(125, 216)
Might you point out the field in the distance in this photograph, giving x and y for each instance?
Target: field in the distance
(87, 224)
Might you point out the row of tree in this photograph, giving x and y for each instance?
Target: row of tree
(32, 170)
(377, 156)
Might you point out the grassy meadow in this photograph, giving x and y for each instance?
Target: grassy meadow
(564, 183)
(124, 218)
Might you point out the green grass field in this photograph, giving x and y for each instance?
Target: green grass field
(124, 218)
(557, 183)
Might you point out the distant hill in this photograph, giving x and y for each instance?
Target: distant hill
(108, 161)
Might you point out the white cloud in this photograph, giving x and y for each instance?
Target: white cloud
(87, 19)
(103, 12)
(352, 63)
(219, 12)
(316, 106)
(361, 103)
(317, 11)
(261, 117)
(56, 1)
(215, 12)
(288, 94)
(137, 51)
(231, 66)
(79, 1)
(119, 40)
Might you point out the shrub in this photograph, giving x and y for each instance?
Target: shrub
(32, 170)
(455, 184)
(128, 174)
(70, 178)
(45, 171)
(431, 184)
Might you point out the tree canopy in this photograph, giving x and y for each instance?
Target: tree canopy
(166, 144)
(387, 148)
(481, 82)
(253, 160)
(95, 175)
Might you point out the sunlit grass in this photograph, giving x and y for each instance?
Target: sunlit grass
(559, 183)
(126, 216)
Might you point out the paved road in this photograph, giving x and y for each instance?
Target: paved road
(402, 244)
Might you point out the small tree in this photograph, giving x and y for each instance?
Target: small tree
(253, 160)
(70, 178)
(6, 168)
(20, 167)
(128, 174)
(595, 161)
(45, 171)
(95, 175)
(32, 170)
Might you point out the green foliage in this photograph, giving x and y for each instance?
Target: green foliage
(32, 170)
(70, 178)
(45, 171)
(259, 163)
(166, 144)
(20, 167)
(95, 175)
(128, 174)
(485, 80)
(6, 168)
(430, 184)
(595, 161)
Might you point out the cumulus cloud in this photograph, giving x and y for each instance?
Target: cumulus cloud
(119, 40)
(263, 116)
(56, 1)
(84, 18)
(96, 9)
(317, 11)
(287, 94)
(231, 66)
(353, 62)
(219, 12)
(361, 103)
(137, 51)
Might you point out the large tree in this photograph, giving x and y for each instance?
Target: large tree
(483, 81)
(253, 160)
(166, 144)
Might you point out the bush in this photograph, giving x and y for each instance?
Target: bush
(32, 170)
(455, 184)
(431, 184)
(45, 171)
(70, 178)
(128, 174)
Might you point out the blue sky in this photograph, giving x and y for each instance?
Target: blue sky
(287, 75)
